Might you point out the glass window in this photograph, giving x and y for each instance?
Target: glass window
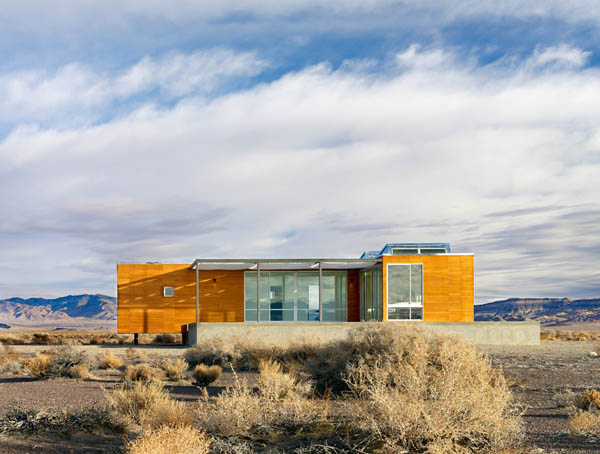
(405, 251)
(398, 284)
(433, 251)
(405, 291)
(294, 296)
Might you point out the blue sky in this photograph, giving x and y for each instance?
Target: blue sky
(153, 131)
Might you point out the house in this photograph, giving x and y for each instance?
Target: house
(412, 282)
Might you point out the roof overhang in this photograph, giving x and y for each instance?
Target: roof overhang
(283, 264)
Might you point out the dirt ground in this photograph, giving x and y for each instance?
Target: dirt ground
(537, 373)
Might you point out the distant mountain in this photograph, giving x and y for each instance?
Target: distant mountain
(72, 309)
(548, 311)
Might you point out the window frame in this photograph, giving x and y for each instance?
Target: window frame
(308, 310)
(408, 305)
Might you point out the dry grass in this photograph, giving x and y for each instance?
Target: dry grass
(405, 392)
(63, 361)
(170, 440)
(174, 368)
(38, 365)
(80, 371)
(135, 355)
(141, 372)
(204, 375)
(108, 360)
(587, 400)
(149, 405)
(585, 423)
(274, 384)
(433, 394)
(8, 358)
(63, 337)
(99, 418)
(555, 335)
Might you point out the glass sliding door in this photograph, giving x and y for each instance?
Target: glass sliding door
(307, 296)
(371, 298)
(334, 296)
(294, 296)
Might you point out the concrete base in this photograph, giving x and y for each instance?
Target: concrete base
(281, 333)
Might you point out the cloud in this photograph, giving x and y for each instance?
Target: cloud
(346, 158)
(77, 94)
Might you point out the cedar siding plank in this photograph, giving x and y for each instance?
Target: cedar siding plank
(448, 291)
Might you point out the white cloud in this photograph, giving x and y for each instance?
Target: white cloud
(74, 93)
(562, 56)
(323, 162)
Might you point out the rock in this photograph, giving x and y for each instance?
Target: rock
(592, 354)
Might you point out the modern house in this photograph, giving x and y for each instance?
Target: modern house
(402, 282)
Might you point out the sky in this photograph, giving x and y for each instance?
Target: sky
(167, 131)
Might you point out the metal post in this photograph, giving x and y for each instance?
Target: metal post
(197, 300)
(257, 292)
(320, 292)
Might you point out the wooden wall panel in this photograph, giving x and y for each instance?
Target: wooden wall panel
(142, 308)
(448, 290)
(354, 295)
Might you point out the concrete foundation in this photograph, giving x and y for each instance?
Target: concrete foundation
(281, 333)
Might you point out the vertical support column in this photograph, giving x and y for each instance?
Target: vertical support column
(197, 298)
(136, 339)
(257, 291)
(320, 292)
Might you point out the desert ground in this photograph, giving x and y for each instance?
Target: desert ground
(536, 375)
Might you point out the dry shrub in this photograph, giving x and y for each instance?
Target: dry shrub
(108, 360)
(141, 372)
(565, 399)
(135, 355)
(38, 365)
(149, 405)
(170, 440)
(47, 339)
(240, 412)
(99, 418)
(406, 391)
(174, 368)
(214, 352)
(427, 393)
(585, 423)
(274, 384)
(205, 375)
(8, 356)
(244, 353)
(80, 371)
(12, 339)
(587, 400)
(62, 360)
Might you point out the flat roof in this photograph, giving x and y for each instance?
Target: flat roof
(283, 264)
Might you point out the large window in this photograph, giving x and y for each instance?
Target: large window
(405, 291)
(294, 296)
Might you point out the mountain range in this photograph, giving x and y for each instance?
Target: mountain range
(101, 310)
(548, 311)
(71, 310)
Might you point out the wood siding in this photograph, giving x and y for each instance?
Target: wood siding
(448, 286)
(142, 308)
